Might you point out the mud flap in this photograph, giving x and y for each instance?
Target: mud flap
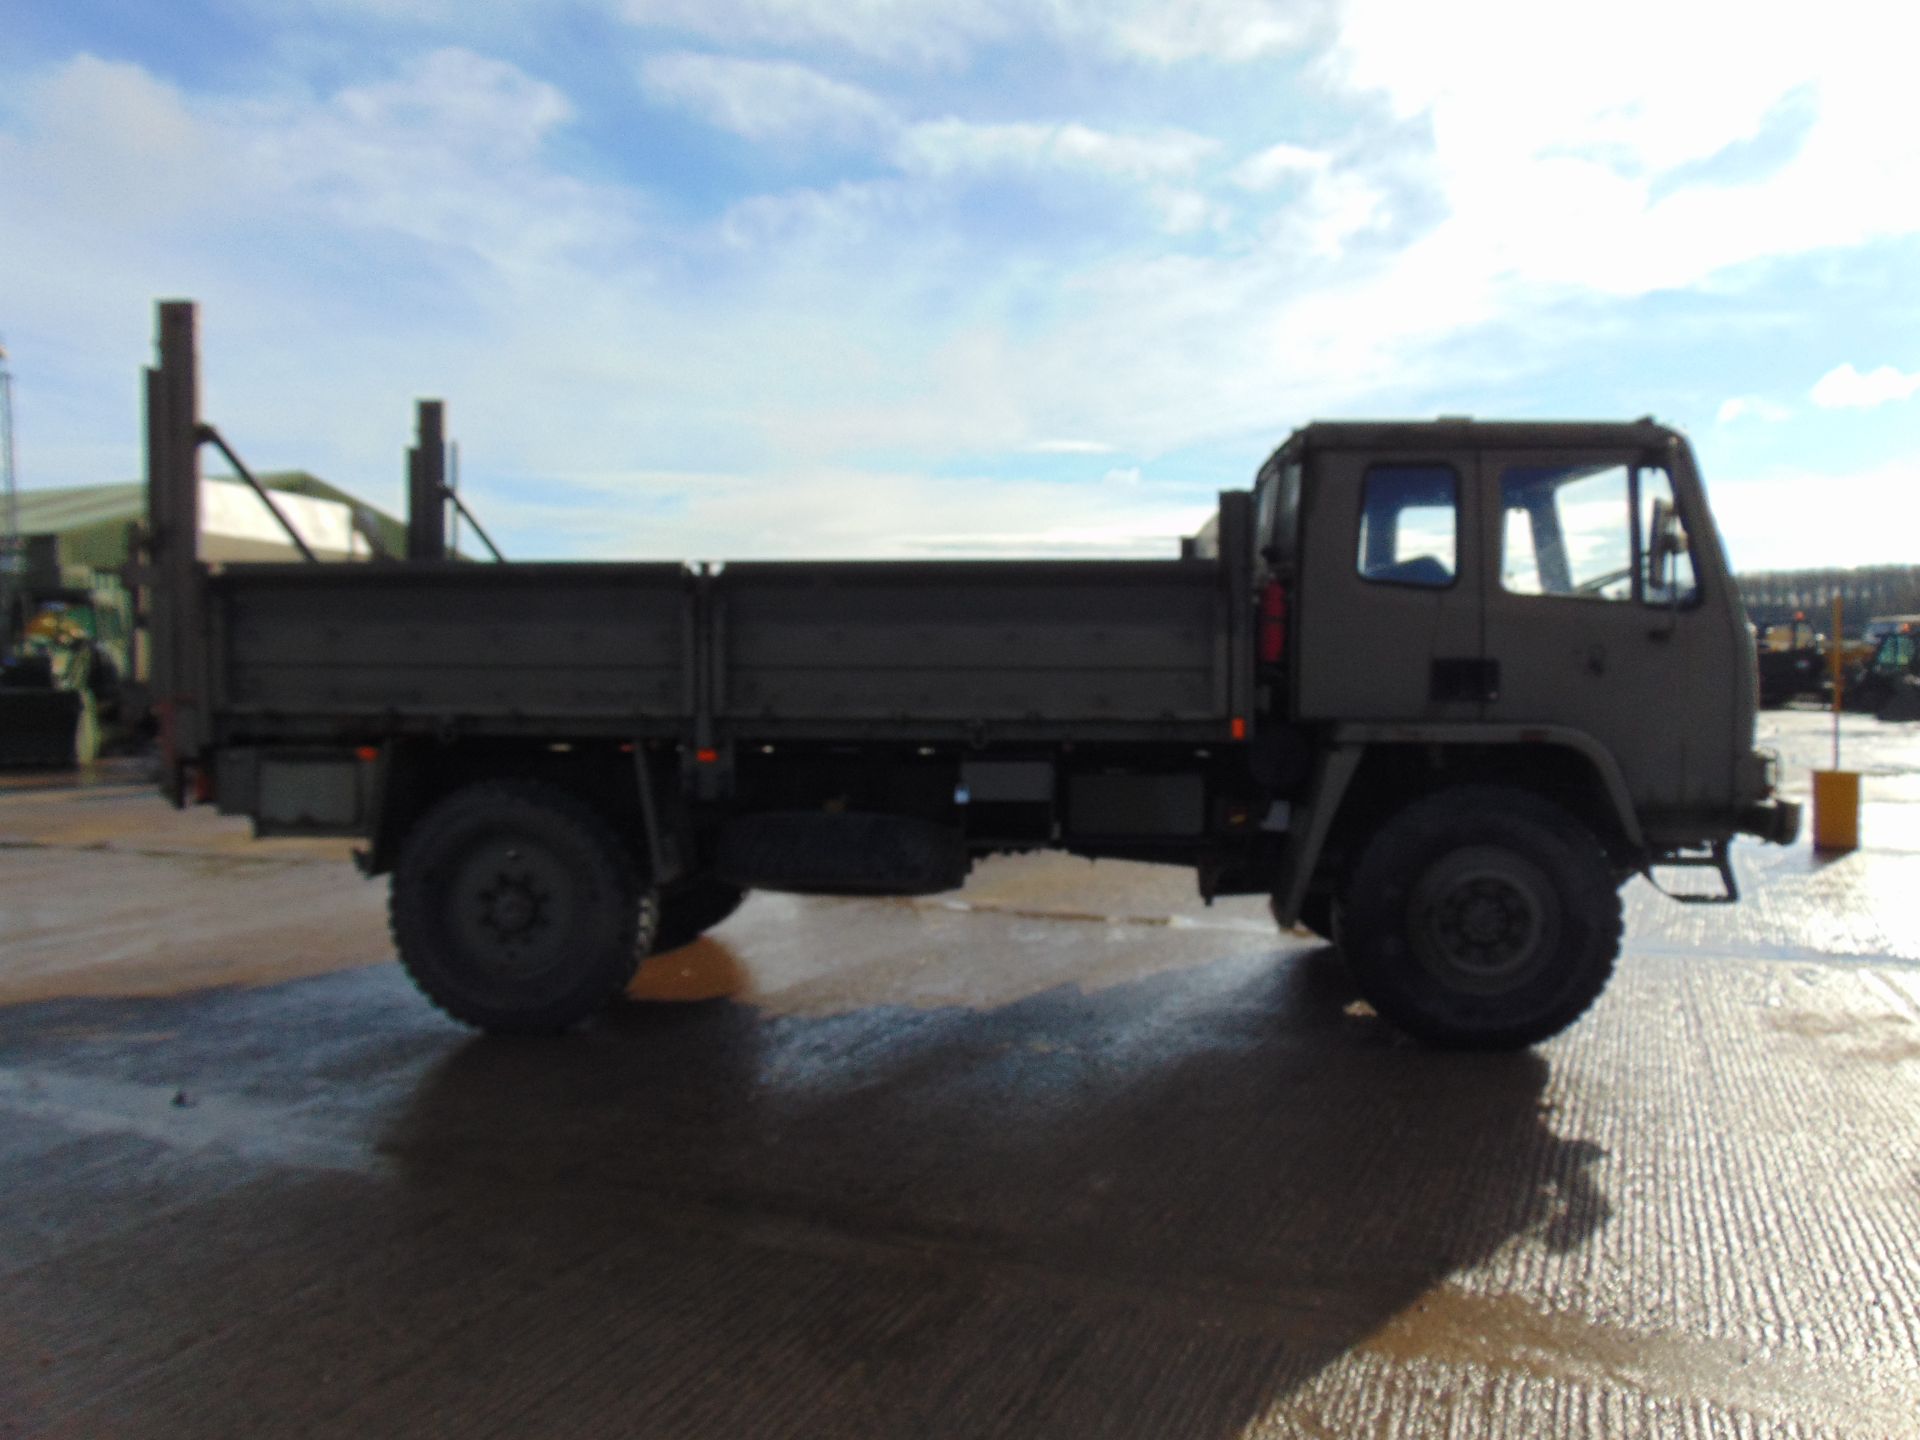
(1307, 834)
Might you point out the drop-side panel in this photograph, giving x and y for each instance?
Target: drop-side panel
(467, 642)
(1099, 642)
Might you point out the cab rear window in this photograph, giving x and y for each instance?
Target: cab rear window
(1410, 525)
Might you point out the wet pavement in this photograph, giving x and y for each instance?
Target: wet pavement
(1065, 1154)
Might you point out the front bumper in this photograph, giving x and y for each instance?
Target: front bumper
(1776, 821)
(1757, 782)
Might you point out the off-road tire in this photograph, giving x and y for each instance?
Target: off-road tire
(1481, 917)
(690, 909)
(516, 909)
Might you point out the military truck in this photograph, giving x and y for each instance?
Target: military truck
(1438, 689)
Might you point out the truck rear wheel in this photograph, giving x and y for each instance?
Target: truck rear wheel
(516, 909)
(693, 907)
(1481, 918)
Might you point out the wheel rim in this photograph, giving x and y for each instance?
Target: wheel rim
(1484, 920)
(510, 906)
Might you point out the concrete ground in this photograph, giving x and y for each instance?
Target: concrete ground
(1068, 1154)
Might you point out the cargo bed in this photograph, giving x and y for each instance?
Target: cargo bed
(978, 651)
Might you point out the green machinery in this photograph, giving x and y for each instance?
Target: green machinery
(66, 634)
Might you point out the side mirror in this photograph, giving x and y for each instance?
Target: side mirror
(1666, 543)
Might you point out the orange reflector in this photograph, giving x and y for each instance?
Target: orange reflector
(706, 757)
(367, 752)
(1239, 728)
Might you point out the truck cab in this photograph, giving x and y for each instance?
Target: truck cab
(1492, 621)
(1471, 581)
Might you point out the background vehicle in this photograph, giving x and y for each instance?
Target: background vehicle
(1437, 687)
(1886, 672)
(66, 650)
(1793, 662)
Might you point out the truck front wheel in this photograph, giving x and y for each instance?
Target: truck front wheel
(1481, 917)
(516, 909)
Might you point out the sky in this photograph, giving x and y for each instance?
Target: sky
(761, 278)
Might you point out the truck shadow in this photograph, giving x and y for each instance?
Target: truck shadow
(1161, 1208)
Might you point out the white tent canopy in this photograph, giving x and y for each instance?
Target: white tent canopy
(236, 525)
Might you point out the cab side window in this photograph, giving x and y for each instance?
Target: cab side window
(1567, 530)
(1595, 530)
(1410, 525)
(1277, 512)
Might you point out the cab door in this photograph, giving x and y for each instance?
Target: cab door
(1390, 582)
(1592, 625)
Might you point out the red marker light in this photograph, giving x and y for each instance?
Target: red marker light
(1273, 623)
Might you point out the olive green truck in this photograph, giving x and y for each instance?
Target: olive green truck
(1439, 689)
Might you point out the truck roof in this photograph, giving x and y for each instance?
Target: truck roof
(1461, 429)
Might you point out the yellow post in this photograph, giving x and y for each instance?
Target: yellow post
(1836, 810)
(1837, 660)
(1836, 792)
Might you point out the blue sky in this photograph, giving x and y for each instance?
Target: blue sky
(718, 278)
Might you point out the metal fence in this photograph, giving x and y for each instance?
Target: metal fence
(1775, 596)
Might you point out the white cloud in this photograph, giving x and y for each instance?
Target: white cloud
(1750, 515)
(917, 31)
(1513, 77)
(425, 231)
(451, 153)
(949, 32)
(1553, 126)
(1222, 30)
(820, 223)
(1189, 212)
(395, 238)
(102, 141)
(951, 146)
(1070, 447)
(473, 104)
(764, 99)
(1741, 407)
(1337, 207)
(1278, 164)
(1845, 388)
(772, 100)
